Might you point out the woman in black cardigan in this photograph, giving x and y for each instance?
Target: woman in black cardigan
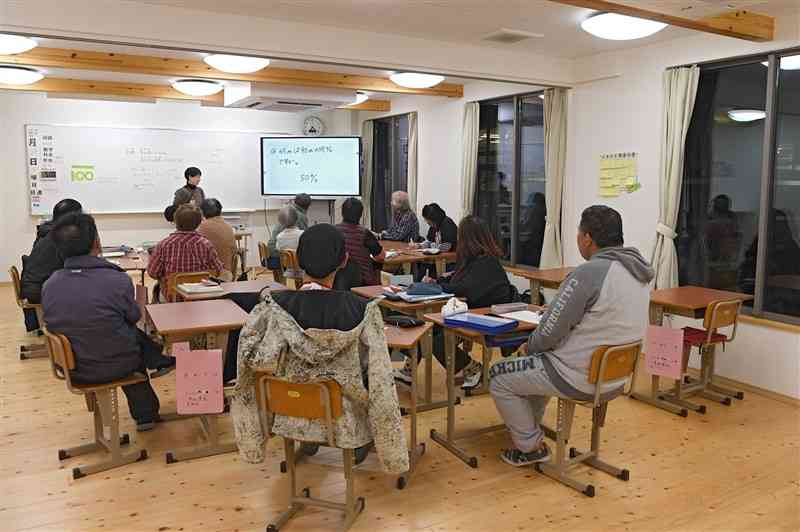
(442, 235)
(481, 280)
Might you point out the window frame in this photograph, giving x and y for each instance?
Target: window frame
(768, 171)
(516, 165)
(392, 121)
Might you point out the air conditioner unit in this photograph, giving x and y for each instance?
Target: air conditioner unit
(285, 99)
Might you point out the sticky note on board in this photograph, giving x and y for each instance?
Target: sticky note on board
(664, 351)
(198, 387)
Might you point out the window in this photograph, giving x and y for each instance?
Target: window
(510, 179)
(390, 166)
(742, 185)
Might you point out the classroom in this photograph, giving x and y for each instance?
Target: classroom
(303, 266)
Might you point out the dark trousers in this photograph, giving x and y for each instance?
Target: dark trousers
(142, 399)
(462, 357)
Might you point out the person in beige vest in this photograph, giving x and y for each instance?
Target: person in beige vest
(219, 233)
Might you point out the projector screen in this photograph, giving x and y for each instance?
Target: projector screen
(320, 166)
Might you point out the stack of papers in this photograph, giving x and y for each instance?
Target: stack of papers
(416, 299)
(528, 316)
(109, 254)
(200, 288)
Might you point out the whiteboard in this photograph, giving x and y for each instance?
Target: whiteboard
(137, 170)
(323, 166)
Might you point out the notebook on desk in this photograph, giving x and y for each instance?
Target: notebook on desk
(481, 323)
(200, 288)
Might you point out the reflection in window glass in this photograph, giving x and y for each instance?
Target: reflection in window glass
(390, 166)
(532, 209)
(719, 211)
(782, 282)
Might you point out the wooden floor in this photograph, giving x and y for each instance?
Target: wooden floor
(736, 468)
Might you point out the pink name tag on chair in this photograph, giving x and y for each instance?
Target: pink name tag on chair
(664, 351)
(198, 387)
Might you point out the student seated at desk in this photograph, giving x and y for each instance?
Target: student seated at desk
(92, 303)
(316, 334)
(404, 226)
(43, 260)
(481, 280)
(219, 233)
(363, 248)
(184, 251)
(300, 206)
(604, 302)
(442, 235)
(289, 238)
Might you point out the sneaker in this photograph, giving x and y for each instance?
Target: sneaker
(308, 448)
(362, 453)
(517, 458)
(404, 375)
(473, 375)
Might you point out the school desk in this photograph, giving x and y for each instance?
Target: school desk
(233, 287)
(133, 262)
(451, 335)
(417, 310)
(408, 255)
(177, 322)
(691, 302)
(541, 278)
(409, 339)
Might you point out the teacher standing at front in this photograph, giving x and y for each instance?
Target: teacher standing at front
(190, 192)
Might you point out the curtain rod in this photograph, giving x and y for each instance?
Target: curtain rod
(739, 58)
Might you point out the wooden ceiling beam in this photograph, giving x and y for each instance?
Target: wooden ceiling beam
(164, 66)
(737, 24)
(147, 91)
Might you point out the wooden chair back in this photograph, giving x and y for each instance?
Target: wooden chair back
(235, 266)
(610, 363)
(179, 278)
(263, 253)
(314, 400)
(289, 260)
(13, 272)
(62, 359)
(721, 314)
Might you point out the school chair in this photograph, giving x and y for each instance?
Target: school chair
(263, 256)
(29, 350)
(176, 279)
(313, 400)
(608, 364)
(101, 400)
(719, 314)
(291, 267)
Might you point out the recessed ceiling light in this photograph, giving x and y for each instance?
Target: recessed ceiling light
(620, 27)
(413, 80)
(746, 115)
(15, 44)
(17, 75)
(361, 97)
(197, 87)
(791, 62)
(236, 64)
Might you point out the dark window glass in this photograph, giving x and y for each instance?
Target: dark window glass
(532, 210)
(720, 199)
(390, 166)
(495, 183)
(782, 280)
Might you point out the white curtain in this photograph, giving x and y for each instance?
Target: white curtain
(680, 89)
(555, 158)
(469, 156)
(366, 172)
(413, 137)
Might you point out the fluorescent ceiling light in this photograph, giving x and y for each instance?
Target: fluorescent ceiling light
(17, 75)
(15, 44)
(791, 62)
(620, 27)
(361, 97)
(746, 115)
(197, 87)
(413, 80)
(236, 64)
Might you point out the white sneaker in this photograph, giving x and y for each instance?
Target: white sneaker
(404, 375)
(473, 374)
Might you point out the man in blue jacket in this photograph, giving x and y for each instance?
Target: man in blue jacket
(92, 302)
(603, 302)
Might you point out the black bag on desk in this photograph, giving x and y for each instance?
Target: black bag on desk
(403, 321)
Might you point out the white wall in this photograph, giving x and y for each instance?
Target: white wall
(17, 109)
(624, 114)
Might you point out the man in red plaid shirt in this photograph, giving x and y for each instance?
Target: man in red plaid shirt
(185, 250)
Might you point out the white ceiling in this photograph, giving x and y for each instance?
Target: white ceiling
(468, 21)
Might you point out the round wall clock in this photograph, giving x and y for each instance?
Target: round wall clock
(313, 127)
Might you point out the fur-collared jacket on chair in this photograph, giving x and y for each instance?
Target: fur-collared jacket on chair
(273, 341)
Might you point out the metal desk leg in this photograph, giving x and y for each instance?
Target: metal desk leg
(427, 352)
(535, 287)
(654, 397)
(417, 450)
(212, 446)
(440, 267)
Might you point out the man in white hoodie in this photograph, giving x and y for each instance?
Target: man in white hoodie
(603, 302)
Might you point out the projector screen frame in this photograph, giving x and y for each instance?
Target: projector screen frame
(314, 196)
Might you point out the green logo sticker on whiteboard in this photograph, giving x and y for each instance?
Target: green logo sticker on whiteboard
(82, 173)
